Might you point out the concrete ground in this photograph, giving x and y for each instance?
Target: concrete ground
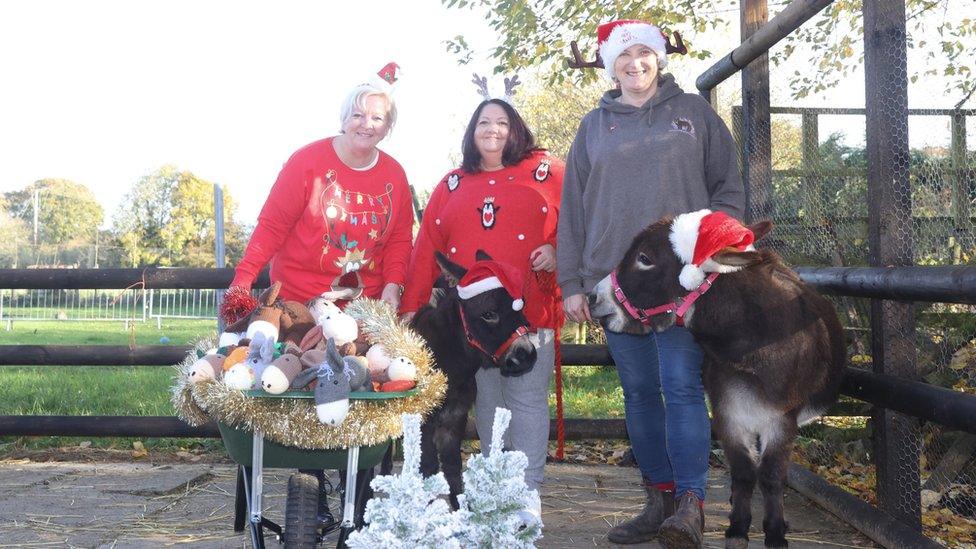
(113, 504)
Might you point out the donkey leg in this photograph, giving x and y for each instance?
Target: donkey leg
(772, 481)
(742, 469)
(448, 441)
(428, 452)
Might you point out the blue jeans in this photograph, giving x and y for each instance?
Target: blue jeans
(664, 402)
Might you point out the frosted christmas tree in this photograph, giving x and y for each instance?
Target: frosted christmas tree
(413, 514)
(492, 507)
(494, 494)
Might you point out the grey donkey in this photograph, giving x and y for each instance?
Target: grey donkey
(337, 377)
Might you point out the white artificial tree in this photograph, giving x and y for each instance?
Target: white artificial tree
(413, 514)
(494, 494)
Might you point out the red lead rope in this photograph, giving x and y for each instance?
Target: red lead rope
(547, 285)
(560, 423)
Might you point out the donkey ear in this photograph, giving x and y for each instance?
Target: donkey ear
(761, 228)
(452, 271)
(269, 296)
(734, 258)
(311, 359)
(332, 354)
(268, 349)
(482, 255)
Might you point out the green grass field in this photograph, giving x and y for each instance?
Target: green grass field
(590, 392)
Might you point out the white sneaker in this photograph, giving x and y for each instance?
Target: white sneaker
(532, 513)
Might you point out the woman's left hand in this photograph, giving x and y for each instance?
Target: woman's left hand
(543, 258)
(391, 295)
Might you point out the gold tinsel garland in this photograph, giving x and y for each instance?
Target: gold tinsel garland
(292, 422)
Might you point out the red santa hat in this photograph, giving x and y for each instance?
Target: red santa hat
(614, 37)
(386, 77)
(487, 275)
(697, 236)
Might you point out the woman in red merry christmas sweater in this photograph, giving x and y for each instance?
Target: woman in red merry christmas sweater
(340, 214)
(504, 199)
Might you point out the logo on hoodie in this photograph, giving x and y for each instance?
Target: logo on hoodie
(680, 124)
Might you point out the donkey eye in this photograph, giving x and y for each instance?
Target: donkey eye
(643, 261)
(490, 317)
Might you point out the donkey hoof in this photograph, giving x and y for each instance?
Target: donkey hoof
(736, 543)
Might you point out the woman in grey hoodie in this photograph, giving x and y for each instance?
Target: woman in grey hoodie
(647, 151)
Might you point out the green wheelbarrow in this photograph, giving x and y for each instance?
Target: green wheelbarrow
(308, 519)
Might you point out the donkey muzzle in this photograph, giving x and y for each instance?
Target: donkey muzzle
(519, 358)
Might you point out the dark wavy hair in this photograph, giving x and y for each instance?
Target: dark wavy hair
(519, 146)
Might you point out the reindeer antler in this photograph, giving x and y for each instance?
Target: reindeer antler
(481, 83)
(679, 46)
(510, 85)
(578, 63)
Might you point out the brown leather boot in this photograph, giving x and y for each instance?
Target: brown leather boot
(644, 527)
(684, 529)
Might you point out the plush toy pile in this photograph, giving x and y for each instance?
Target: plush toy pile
(286, 345)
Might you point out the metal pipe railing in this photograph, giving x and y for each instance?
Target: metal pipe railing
(785, 22)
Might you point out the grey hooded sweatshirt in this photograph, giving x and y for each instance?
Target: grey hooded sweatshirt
(629, 166)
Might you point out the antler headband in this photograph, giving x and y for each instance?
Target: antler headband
(577, 62)
(481, 83)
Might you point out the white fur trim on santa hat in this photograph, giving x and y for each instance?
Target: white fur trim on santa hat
(518, 304)
(626, 35)
(691, 277)
(684, 234)
(479, 287)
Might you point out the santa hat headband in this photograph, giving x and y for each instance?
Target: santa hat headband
(487, 275)
(695, 237)
(385, 78)
(481, 83)
(614, 37)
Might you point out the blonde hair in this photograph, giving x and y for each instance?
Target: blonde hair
(357, 98)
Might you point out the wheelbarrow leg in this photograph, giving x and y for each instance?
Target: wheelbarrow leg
(257, 486)
(349, 501)
(240, 498)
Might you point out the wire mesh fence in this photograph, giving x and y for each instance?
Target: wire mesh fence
(882, 175)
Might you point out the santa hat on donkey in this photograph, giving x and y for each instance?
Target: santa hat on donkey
(697, 236)
(487, 275)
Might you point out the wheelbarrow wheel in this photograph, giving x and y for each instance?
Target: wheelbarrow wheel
(301, 511)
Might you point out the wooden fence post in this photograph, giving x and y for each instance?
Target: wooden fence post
(897, 437)
(757, 170)
(219, 253)
(961, 183)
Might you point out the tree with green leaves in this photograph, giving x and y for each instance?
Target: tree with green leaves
(66, 211)
(538, 33)
(167, 218)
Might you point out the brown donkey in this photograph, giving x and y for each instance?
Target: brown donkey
(774, 349)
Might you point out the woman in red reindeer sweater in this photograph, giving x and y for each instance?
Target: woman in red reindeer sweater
(504, 199)
(340, 215)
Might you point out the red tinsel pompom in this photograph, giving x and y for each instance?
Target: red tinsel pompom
(238, 303)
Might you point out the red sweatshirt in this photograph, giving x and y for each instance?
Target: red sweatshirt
(325, 224)
(507, 213)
